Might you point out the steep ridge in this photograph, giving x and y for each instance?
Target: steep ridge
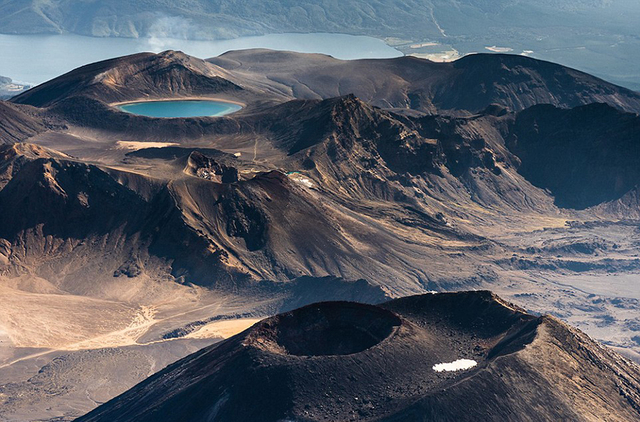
(265, 226)
(16, 124)
(348, 163)
(388, 355)
(68, 214)
(372, 153)
(585, 156)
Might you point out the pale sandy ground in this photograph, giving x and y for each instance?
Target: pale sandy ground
(603, 306)
(128, 337)
(37, 324)
(223, 329)
(88, 350)
(58, 320)
(424, 44)
(623, 285)
(136, 145)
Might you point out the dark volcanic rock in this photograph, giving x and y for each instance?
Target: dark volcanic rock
(52, 196)
(317, 181)
(244, 219)
(347, 361)
(470, 84)
(350, 131)
(519, 82)
(208, 168)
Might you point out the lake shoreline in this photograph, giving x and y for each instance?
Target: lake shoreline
(180, 108)
(151, 100)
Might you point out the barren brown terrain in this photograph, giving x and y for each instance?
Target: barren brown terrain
(134, 241)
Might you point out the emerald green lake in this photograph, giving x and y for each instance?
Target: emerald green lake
(180, 108)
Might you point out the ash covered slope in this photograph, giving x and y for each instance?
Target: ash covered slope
(16, 123)
(262, 226)
(369, 176)
(143, 75)
(471, 83)
(321, 187)
(366, 176)
(340, 361)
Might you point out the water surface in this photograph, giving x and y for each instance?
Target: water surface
(180, 108)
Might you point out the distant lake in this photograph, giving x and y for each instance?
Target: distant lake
(35, 59)
(187, 108)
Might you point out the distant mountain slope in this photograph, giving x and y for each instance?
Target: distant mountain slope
(340, 361)
(519, 82)
(9, 89)
(226, 18)
(469, 84)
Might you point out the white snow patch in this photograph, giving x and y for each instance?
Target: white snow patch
(459, 365)
(298, 178)
(307, 182)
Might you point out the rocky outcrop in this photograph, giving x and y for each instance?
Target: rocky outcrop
(208, 168)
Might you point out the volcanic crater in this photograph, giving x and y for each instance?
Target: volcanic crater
(326, 329)
(350, 361)
(396, 173)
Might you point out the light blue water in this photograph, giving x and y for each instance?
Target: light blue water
(34, 59)
(190, 108)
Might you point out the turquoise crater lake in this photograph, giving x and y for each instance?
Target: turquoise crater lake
(180, 108)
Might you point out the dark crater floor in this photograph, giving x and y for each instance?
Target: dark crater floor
(328, 329)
